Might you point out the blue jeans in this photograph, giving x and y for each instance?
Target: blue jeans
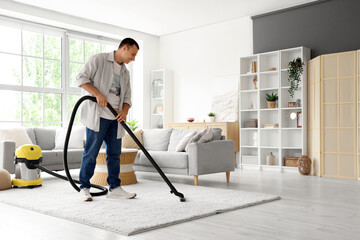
(94, 140)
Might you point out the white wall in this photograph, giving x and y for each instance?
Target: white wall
(205, 62)
(149, 46)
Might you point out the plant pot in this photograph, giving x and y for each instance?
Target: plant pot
(211, 119)
(271, 104)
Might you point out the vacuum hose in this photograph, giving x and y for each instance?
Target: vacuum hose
(128, 130)
(66, 144)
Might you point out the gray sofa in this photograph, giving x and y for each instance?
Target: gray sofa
(202, 158)
(52, 159)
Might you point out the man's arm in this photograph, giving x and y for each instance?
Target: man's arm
(101, 99)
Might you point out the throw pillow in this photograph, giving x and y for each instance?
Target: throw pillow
(128, 142)
(195, 138)
(184, 141)
(76, 138)
(18, 135)
(207, 137)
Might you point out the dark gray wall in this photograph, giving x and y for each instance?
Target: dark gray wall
(324, 27)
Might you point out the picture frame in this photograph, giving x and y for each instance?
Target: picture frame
(299, 119)
(159, 109)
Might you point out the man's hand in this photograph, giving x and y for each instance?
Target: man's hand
(101, 100)
(121, 115)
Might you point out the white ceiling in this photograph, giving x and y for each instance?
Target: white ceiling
(162, 17)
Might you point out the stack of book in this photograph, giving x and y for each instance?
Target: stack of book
(271, 125)
(252, 123)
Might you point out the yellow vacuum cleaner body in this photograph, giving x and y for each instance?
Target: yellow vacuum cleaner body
(26, 173)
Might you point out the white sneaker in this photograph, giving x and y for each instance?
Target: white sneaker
(85, 195)
(120, 193)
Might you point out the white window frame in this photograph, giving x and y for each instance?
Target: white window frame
(65, 89)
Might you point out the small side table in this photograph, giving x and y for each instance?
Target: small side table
(126, 175)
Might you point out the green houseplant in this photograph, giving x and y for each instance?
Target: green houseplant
(295, 71)
(271, 99)
(132, 125)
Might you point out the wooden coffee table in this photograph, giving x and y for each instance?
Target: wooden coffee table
(126, 175)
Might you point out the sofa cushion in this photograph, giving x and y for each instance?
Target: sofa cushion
(176, 136)
(184, 141)
(165, 159)
(76, 138)
(128, 142)
(156, 139)
(207, 137)
(216, 133)
(196, 138)
(18, 135)
(30, 132)
(54, 157)
(45, 138)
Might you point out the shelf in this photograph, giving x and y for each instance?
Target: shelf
(268, 89)
(291, 108)
(248, 74)
(286, 139)
(247, 91)
(249, 110)
(159, 98)
(157, 114)
(269, 72)
(269, 109)
(292, 148)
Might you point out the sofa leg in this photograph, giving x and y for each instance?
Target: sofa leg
(227, 176)
(196, 180)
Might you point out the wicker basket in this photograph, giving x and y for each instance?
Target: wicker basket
(291, 161)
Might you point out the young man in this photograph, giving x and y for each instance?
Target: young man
(106, 77)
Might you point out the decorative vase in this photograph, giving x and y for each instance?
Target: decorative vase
(298, 102)
(270, 159)
(304, 165)
(271, 104)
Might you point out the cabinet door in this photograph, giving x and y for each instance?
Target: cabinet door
(339, 114)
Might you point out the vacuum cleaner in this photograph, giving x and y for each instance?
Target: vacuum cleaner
(27, 157)
(28, 160)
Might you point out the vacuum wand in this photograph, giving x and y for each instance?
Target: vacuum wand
(128, 130)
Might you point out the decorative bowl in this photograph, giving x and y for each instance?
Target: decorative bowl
(190, 119)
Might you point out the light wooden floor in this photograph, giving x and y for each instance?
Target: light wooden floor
(310, 208)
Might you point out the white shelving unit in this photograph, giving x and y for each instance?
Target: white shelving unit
(287, 140)
(161, 98)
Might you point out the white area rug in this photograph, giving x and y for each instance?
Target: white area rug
(154, 206)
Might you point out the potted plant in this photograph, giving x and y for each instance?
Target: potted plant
(295, 71)
(271, 100)
(211, 117)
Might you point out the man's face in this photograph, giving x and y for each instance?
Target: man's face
(129, 53)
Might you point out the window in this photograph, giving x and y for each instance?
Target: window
(39, 66)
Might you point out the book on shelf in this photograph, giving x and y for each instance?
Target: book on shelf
(271, 125)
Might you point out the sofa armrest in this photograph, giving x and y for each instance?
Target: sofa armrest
(211, 157)
(7, 151)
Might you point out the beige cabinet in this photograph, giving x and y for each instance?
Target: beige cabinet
(229, 129)
(332, 115)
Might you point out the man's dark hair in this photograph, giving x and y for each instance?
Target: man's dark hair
(129, 42)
